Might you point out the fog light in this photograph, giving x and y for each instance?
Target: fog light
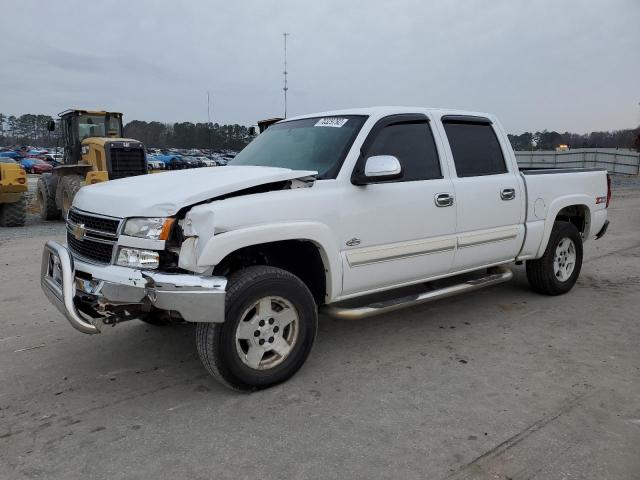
(135, 258)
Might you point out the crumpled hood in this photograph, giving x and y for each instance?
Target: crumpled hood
(164, 194)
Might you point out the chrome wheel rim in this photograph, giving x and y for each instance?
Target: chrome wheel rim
(564, 260)
(267, 332)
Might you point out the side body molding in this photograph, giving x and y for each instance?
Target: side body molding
(222, 244)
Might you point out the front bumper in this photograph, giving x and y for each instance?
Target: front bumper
(196, 298)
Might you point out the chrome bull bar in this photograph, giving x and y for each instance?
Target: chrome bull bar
(56, 279)
(196, 298)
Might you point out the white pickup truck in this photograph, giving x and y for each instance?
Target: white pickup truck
(356, 212)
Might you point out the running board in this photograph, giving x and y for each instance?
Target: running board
(494, 276)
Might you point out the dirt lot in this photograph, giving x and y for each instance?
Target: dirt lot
(498, 384)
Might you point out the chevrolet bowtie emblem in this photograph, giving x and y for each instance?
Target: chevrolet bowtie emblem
(79, 231)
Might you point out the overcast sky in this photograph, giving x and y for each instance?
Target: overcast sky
(560, 65)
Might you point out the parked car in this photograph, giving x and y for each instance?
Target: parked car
(177, 163)
(11, 154)
(355, 203)
(193, 162)
(208, 162)
(53, 159)
(35, 165)
(171, 161)
(220, 161)
(154, 163)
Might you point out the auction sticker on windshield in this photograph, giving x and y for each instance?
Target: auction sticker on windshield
(331, 122)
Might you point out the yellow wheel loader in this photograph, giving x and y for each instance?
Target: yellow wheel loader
(94, 151)
(13, 186)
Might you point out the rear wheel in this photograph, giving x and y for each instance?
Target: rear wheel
(68, 186)
(270, 326)
(13, 214)
(557, 271)
(46, 195)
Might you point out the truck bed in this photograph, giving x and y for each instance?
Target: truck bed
(549, 191)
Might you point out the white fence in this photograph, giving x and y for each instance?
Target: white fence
(625, 162)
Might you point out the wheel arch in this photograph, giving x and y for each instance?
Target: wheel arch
(294, 245)
(575, 209)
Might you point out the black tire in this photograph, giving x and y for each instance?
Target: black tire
(13, 214)
(216, 342)
(541, 273)
(68, 186)
(46, 192)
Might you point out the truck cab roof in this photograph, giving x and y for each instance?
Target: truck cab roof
(382, 111)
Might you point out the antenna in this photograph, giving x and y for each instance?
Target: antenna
(285, 87)
(208, 109)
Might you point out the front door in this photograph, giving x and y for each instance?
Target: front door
(395, 233)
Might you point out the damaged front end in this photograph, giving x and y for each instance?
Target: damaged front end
(90, 303)
(118, 267)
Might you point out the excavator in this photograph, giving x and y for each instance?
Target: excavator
(94, 151)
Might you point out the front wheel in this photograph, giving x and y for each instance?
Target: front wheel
(270, 325)
(557, 271)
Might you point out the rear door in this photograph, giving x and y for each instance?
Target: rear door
(488, 194)
(394, 232)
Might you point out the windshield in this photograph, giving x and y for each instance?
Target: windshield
(319, 144)
(94, 126)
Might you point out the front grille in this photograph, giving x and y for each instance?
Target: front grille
(97, 236)
(90, 249)
(127, 162)
(105, 225)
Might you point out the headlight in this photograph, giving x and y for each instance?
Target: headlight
(136, 258)
(152, 228)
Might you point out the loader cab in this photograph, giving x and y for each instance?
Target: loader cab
(78, 125)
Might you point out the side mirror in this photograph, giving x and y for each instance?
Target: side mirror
(381, 167)
(378, 168)
(51, 125)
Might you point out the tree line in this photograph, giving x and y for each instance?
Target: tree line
(27, 129)
(189, 135)
(546, 140)
(31, 129)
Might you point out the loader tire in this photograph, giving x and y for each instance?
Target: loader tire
(68, 186)
(46, 194)
(13, 214)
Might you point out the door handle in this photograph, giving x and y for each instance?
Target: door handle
(444, 199)
(508, 194)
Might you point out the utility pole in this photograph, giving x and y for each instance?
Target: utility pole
(285, 87)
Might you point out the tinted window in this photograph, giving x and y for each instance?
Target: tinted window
(475, 149)
(413, 145)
